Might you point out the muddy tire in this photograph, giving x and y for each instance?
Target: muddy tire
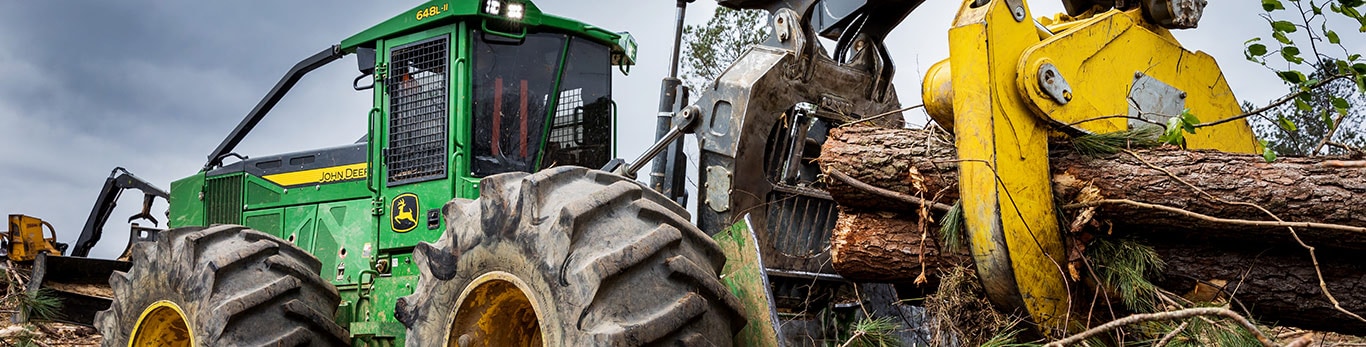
(232, 287)
(569, 257)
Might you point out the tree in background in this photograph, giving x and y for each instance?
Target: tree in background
(1297, 128)
(1322, 114)
(708, 49)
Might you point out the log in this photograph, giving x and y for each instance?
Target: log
(878, 239)
(1294, 189)
(885, 158)
(1274, 283)
(882, 246)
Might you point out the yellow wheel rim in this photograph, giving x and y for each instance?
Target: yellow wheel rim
(162, 324)
(494, 310)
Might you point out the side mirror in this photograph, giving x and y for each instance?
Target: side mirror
(365, 60)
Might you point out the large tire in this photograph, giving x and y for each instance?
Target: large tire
(600, 260)
(233, 287)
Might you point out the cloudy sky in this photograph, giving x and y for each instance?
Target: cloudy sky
(153, 86)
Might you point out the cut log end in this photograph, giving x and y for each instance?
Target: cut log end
(882, 246)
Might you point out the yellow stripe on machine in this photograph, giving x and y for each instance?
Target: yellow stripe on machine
(321, 175)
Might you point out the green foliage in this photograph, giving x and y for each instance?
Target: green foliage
(24, 338)
(1177, 127)
(1296, 128)
(877, 332)
(1007, 339)
(41, 304)
(951, 229)
(1094, 145)
(1269, 154)
(1303, 41)
(1210, 332)
(1124, 267)
(708, 49)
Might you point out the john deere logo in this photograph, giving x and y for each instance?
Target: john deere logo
(403, 213)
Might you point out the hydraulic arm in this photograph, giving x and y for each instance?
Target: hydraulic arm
(328, 55)
(118, 181)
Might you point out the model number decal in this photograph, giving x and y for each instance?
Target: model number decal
(431, 11)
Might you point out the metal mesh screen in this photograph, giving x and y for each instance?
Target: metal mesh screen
(567, 131)
(418, 103)
(223, 200)
(580, 134)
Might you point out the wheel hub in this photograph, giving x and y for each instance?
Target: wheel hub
(162, 324)
(494, 310)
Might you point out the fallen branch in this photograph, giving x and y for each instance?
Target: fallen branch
(1211, 233)
(1208, 218)
(1345, 163)
(884, 114)
(1169, 315)
(938, 207)
(1170, 335)
(1296, 189)
(1350, 149)
(1273, 104)
(1332, 130)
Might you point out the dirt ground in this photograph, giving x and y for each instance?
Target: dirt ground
(57, 334)
(46, 334)
(34, 333)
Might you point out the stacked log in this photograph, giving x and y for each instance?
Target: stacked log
(1214, 217)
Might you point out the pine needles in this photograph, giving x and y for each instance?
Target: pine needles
(1007, 339)
(962, 316)
(1094, 145)
(1213, 332)
(1124, 266)
(41, 304)
(951, 229)
(876, 332)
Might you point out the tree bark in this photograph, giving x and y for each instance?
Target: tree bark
(1275, 283)
(881, 246)
(1294, 189)
(1261, 267)
(885, 158)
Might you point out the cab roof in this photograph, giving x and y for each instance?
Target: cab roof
(442, 12)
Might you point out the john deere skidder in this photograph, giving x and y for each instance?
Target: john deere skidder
(378, 242)
(463, 91)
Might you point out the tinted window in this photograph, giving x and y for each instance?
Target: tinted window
(513, 84)
(581, 132)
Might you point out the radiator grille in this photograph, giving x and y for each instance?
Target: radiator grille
(223, 200)
(800, 225)
(418, 103)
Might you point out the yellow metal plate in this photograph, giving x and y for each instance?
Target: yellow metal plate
(1004, 179)
(1099, 58)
